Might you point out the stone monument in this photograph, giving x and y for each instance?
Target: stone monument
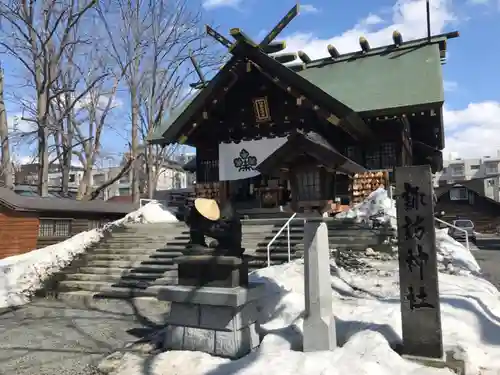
(418, 275)
(319, 322)
(213, 307)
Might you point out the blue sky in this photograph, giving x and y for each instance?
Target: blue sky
(472, 81)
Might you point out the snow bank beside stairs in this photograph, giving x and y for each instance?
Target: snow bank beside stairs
(21, 275)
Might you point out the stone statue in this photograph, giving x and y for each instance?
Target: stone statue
(220, 264)
(205, 218)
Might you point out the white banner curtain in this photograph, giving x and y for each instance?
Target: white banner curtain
(238, 161)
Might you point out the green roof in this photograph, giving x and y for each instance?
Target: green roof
(160, 129)
(401, 78)
(383, 81)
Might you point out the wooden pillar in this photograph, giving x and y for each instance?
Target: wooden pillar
(294, 186)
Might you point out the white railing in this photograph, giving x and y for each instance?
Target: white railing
(143, 202)
(286, 225)
(460, 229)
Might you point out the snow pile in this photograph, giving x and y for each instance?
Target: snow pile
(453, 255)
(378, 207)
(368, 324)
(153, 212)
(22, 275)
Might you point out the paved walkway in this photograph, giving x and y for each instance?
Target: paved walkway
(50, 337)
(489, 261)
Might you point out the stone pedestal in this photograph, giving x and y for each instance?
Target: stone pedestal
(214, 320)
(212, 270)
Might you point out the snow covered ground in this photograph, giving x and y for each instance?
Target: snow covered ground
(21, 275)
(367, 310)
(368, 321)
(365, 304)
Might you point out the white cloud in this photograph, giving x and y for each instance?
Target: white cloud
(16, 124)
(212, 4)
(473, 131)
(308, 8)
(407, 16)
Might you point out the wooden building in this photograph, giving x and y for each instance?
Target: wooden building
(467, 200)
(28, 223)
(269, 131)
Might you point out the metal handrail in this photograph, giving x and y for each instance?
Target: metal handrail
(453, 226)
(286, 225)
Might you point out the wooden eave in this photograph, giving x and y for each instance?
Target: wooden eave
(192, 116)
(311, 144)
(305, 92)
(325, 105)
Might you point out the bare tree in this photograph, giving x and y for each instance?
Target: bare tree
(156, 40)
(38, 34)
(6, 170)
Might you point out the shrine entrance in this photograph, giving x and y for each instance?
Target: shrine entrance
(260, 192)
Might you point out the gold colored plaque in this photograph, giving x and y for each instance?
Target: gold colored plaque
(261, 109)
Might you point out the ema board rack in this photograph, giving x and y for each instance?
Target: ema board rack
(363, 184)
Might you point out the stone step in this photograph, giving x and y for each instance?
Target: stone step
(131, 241)
(149, 226)
(151, 236)
(143, 283)
(136, 250)
(128, 264)
(117, 257)
(92, 286)
(113, 278)
(127, 293)
(154, 268)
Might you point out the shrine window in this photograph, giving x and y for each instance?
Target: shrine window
(309, 185)
(381, 157)
(387, 155)
(458, 194)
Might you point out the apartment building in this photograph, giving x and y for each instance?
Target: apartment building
(171, 176)
(486, 168)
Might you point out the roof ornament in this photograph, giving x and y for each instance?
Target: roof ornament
(304, 57)
(397, 38)
(202, 83)
(334, 53)
(285, 57)
(363, 43)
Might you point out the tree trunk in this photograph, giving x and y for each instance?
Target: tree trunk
(135, 144)
(43, 153)
(6, 163)
(67, 149)
(151, 172)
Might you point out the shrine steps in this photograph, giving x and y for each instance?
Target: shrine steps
(136, 260)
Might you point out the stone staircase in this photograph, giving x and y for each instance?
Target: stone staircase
(136, 260)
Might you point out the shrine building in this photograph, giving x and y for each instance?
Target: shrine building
(283, 130)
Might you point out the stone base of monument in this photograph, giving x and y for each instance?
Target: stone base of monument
(212, 270)
(215, 320)
(448, 361)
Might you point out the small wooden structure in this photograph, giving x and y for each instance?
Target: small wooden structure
(467, 200)
(374, 109)
(28, 223)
